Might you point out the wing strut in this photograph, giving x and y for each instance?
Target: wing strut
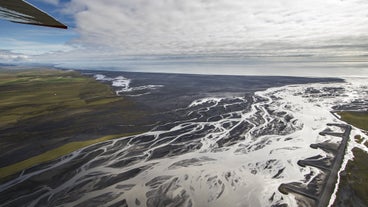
(20, 11)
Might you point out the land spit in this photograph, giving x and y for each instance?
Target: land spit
(318, 192)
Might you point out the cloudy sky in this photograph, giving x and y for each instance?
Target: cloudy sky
(197, 36)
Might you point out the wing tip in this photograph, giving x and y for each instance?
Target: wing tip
(20, 11)
(60, 26)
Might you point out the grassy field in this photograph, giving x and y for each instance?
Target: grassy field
(358, 119)
(46, 113)
(54, 154)
(31, 93)
(353, 187)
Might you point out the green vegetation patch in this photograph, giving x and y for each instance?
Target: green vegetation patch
(353, 187)
(358, 119)
(30, 93)
(357, 174)
(47, 113)
(359, 139)
(54, 154)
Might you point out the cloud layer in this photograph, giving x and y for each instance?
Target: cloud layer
(202, 36)
(7, 56)
(259, 28)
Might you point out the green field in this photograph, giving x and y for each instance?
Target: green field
(353, 187)
(31, 93)
(358, 119)
(54, 154)
(46, 113)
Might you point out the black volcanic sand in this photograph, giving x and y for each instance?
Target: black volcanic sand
(181, 89)
(319, 190)
(36, 135)
(176, 130)
(53, 107)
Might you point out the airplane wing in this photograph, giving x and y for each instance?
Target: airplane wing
(20, 11)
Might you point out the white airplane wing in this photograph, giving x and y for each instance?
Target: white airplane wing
(20, 11)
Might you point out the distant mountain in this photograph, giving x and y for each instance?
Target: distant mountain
(6, 64)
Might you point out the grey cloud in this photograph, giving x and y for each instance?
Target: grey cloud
(226, 36)
(197, 27)
(7, 56)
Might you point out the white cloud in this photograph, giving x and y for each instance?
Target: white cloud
(210, 36)
(7, 56)
(30, 48)
(280, 27)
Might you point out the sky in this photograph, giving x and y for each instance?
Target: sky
(278, 37)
